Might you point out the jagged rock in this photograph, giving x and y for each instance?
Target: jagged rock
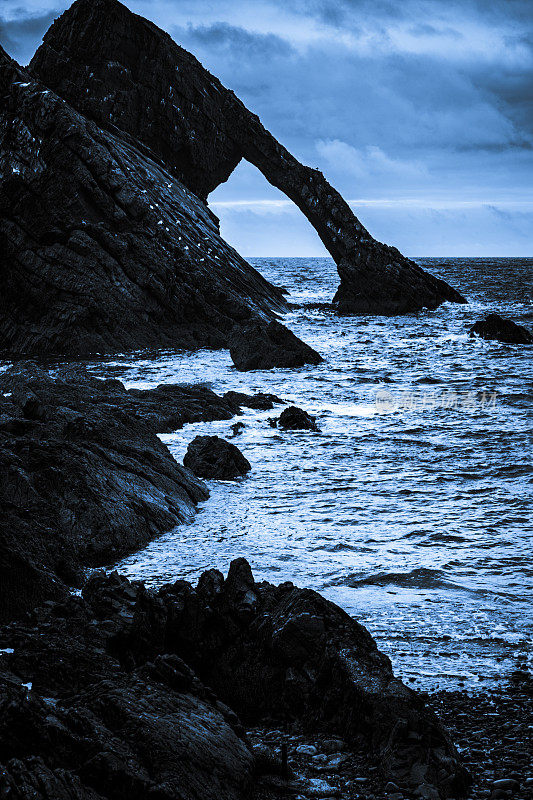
(296, 419)
(278, 653)
(502, 330)
(104, 249)
(84, 477)
(213, 457)
(97, 56)
(260, 346)
(139, 734)
(288, 653)
(261, 401)
(32, 779)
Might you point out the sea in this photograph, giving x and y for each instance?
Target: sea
(411, 508)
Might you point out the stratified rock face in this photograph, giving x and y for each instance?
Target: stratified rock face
(213, 457)
(264, 346)
(123, 71)
(103, 249)
(502, 330)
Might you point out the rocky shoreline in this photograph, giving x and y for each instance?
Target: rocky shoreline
(274, 690)
(230, 689)
(122, 690)
(86, 480)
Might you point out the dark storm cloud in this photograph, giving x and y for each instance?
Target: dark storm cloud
(230, 37)
(412, 101)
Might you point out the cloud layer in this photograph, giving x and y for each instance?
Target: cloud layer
(419, 112)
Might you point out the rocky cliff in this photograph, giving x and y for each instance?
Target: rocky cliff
(102, 247)
(123, 72)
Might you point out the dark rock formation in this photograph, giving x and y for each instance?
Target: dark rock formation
(84, 479)
(127, 74)
(502, 330)
(125, 670)
(103, 248)
(237, 428)
(296, 419)
(98, 724)
(261, 401)
(260, 346)
(213, 457)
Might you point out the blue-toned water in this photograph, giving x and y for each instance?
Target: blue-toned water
(411, 507)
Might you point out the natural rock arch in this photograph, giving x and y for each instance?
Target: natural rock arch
(125, 73)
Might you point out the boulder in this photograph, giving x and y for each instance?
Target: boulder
(213, 457)
(501, 330)
(296, 419)
(97, 56)
(266, 346)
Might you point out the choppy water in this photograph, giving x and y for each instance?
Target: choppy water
(411, 512)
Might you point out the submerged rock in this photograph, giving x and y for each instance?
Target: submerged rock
(502, 330)
(296, 419)
(261, 346)
(213, 457)
(262, 401)
(97, 56)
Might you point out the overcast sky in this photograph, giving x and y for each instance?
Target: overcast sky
(419, 111)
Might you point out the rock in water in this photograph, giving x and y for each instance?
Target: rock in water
(103, 248)
(260, 346)
(502, 330)
(213, 457)
(262, 401)
(97, 56)
(296, 419)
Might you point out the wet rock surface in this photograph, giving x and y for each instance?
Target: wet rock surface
(260, 346)
(261, 401)
(85, 479)
(494, 327)
(296, 419)
(98, 55)
(96, 723)
(123, 688)
(493, 732)
(213, 457)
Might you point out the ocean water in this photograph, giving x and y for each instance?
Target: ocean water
(411, 507)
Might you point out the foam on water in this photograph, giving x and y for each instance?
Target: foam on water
(412, 516)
